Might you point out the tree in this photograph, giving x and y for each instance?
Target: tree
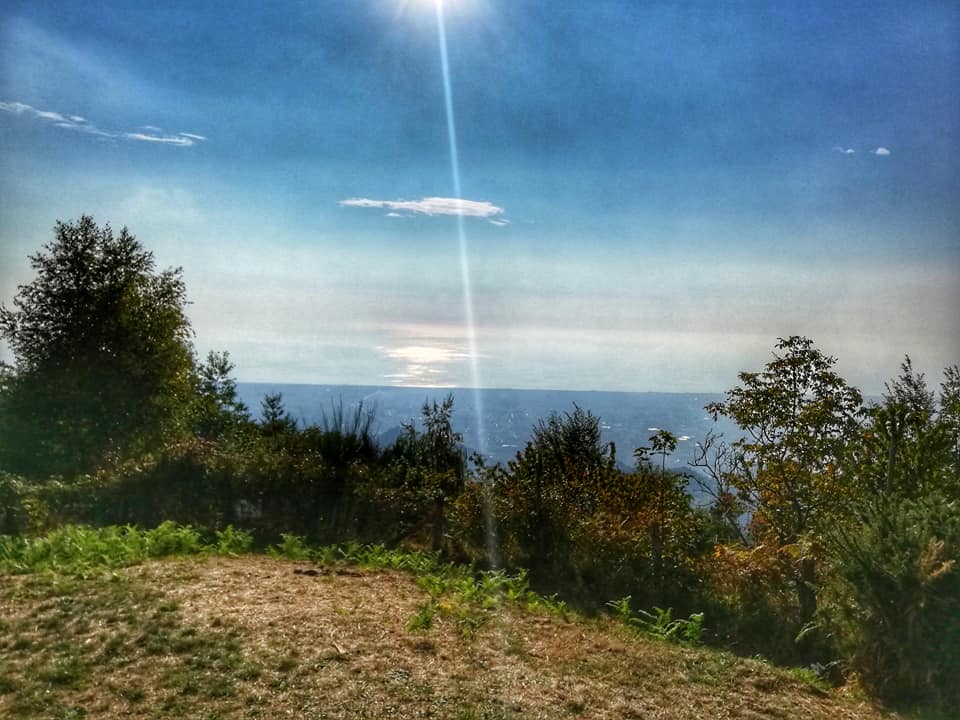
(557, 481)
(218, 409)
(667, 497)
(908, 446)
(103, 359)
(798, 415)
(275, 421)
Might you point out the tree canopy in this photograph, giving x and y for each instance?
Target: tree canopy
(103, 358)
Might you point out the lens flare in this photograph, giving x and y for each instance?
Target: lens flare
(470, 325)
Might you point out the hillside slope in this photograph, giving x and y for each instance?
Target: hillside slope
(260, 637)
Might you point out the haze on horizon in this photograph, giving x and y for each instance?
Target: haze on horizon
(651, 193)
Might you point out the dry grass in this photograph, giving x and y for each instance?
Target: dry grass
(256, 637)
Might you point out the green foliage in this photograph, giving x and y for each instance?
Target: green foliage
(798, 416)
(425, 471)
(103, 361)
(423, 618)
(895, 603)
(231, 541)
(292, 547)
(78, 550)
(217, 410)
(19, 512)
(554, 484)
(275, 420)
(660, 623)
(908, 446)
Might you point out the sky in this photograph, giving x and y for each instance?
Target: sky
(646, 196)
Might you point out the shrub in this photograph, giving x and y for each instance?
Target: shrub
(895, 599)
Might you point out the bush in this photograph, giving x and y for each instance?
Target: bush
(895, 600)
(17, 513)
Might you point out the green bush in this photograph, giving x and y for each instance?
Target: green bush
(895, 600)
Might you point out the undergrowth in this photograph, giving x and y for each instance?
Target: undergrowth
(77, 550)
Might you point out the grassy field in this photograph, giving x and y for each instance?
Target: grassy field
(267, 637)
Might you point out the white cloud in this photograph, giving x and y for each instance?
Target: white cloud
(844, 151)
(168, 139)
(499, 222)
(15, 107)
(881, 151)
(47, 115)
(80, 124)
(431, 206)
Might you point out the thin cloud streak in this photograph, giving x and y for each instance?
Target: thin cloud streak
(168, 139)
(80, 124)
(430, 206)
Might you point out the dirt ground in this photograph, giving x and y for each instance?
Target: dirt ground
(260, 637)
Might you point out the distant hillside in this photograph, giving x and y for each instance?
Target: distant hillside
(509, 415)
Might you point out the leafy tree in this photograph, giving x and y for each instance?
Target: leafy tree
(797, 414)
(103, 360)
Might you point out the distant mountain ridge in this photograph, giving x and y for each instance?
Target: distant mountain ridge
(627, 419)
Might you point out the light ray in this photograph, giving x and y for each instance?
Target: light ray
(465, 276)
(492, 551)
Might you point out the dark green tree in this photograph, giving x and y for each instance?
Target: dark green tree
(103, 363)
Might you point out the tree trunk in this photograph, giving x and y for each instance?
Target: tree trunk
(807, 597)
(437, 524)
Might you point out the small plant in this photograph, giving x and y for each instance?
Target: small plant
(231, 541)
(423, 619)
(661, 624)
(622, 608)
(292, 547)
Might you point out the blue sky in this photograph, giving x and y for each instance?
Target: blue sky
(651, 193)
